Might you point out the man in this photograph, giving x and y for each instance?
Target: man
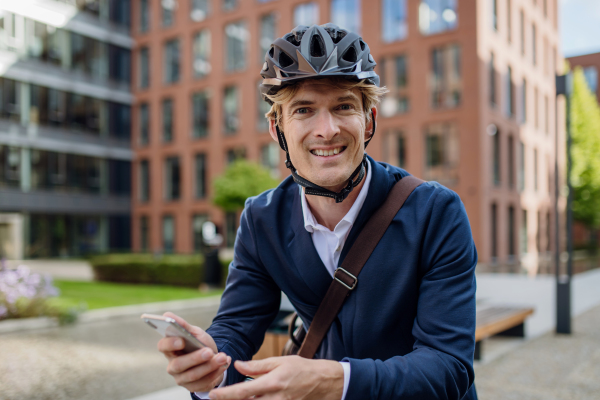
(407, 330)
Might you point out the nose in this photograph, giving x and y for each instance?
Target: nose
(326, 125)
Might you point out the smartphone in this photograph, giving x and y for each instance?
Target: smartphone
(168, 327)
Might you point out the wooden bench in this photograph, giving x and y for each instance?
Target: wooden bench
(490, 321)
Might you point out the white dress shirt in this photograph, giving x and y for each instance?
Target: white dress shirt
(329, 245)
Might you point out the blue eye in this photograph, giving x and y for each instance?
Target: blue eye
(346, 107)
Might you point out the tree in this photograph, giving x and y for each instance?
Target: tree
(585, 150)
(241, 180)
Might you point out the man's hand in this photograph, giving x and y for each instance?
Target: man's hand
(199, 371)
(289, 377)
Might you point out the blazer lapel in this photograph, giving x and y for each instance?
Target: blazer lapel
(304, 255)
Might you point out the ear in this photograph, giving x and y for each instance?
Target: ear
(372, 123)
(273, 130)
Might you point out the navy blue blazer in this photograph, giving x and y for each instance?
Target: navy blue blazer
(408, 329)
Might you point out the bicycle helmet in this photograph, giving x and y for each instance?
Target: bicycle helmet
(315, 52)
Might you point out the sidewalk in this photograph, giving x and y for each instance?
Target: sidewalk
(74, 270)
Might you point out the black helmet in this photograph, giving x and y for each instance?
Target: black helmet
(316, 52)
(324, 51)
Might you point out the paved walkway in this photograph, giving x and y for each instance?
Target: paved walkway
(76, 270)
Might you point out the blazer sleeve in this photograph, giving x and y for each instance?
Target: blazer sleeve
(249, 303)
(440, 366)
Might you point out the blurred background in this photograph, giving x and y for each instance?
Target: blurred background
(119, 118)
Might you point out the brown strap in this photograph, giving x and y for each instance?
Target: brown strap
(345, 277)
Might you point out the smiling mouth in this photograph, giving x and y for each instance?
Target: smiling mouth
(328, 153)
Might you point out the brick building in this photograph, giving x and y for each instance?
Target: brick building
(591, 66)
(471, 105)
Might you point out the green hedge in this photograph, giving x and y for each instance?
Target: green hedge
(177, 269)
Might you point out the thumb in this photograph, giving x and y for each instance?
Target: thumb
(259, 367)
(179, 320)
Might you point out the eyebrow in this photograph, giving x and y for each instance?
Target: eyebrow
(296, 103)
(350, 97)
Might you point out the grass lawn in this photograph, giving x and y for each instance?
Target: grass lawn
(105, 294)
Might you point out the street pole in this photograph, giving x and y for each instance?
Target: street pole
(564, 86)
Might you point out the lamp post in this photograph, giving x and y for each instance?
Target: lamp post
(564, 86)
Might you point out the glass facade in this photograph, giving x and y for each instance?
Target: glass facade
(144, 16)
(144, 124)
(510, 93)
(201, 54)
(347, 14)
(167, 120)
(172, 181)
(200, 114)
(394, 17)
(200, 182)
(144, 68)
(442, 153)
(10, 166)
(168, 12)
(446, 81)
(268, 33)
(171, 61)
(436, 16)
(10, 99)
(306, 14)
(394, 148)
(236, 44)
(591, 77)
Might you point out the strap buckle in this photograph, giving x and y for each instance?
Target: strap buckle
(342, 282)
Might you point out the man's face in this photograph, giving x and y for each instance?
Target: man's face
(324, 127)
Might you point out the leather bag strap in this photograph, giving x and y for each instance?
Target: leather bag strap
(346, 276)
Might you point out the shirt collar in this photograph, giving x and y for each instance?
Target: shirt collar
(310, 222)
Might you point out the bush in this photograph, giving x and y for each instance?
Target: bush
(25, 294)
(175, 270)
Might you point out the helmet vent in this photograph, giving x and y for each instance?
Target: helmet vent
(337, 36)
(362, 45)
(285, 60)
(350, 55)
(293, 39)
(271, 51)
(317, 46)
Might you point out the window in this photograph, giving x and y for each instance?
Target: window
(200, 10)
(144, 193)
(533, 44)
(119, 176)
(230, 110)
(119, 120)
(509, 21)
(535, 170)
(168, 233)
(538, 233)
(144, 121)
(235, 154)
(546, 116)
(236, 38)
(494, 232)
(269, 158)
(511, 232)
(172, 178)
(522, 31)
(495, 14)
(268, 34)
(496, 157)
(347, 14)
(521, 167)
(83, 113)
(201, 54)
(394, 148)
(548, 233)
(446, 82)
(200, 114)
(396, 101)
(437, 16)
(197, 239)
(144, 16)
(46, 43)
(119, 64)
(524, 101)
(510, 93)
(144, 231)
(523, 234)
(167, 120)
(200, 176)
(591, 77)
(536, 110)
(171, 61)
(168, 12)
(144, 68)
(229, 5)
(262, 124)
(306, 14)
(492, 72)
(10, 100)
(441, 153)
(10, 166)
(394, 18)
(511, 162)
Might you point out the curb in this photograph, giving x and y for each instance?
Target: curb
(17, 325)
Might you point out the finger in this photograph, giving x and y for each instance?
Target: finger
(245, 390)
(170, 345)
(259, 367)
(184, 362)
(180, 320)
(206, 372)
(198, 332)
(206, 383)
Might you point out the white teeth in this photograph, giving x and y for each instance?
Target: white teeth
(326, 153)
(336, 151)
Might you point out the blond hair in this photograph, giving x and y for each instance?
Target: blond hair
(371, 96)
